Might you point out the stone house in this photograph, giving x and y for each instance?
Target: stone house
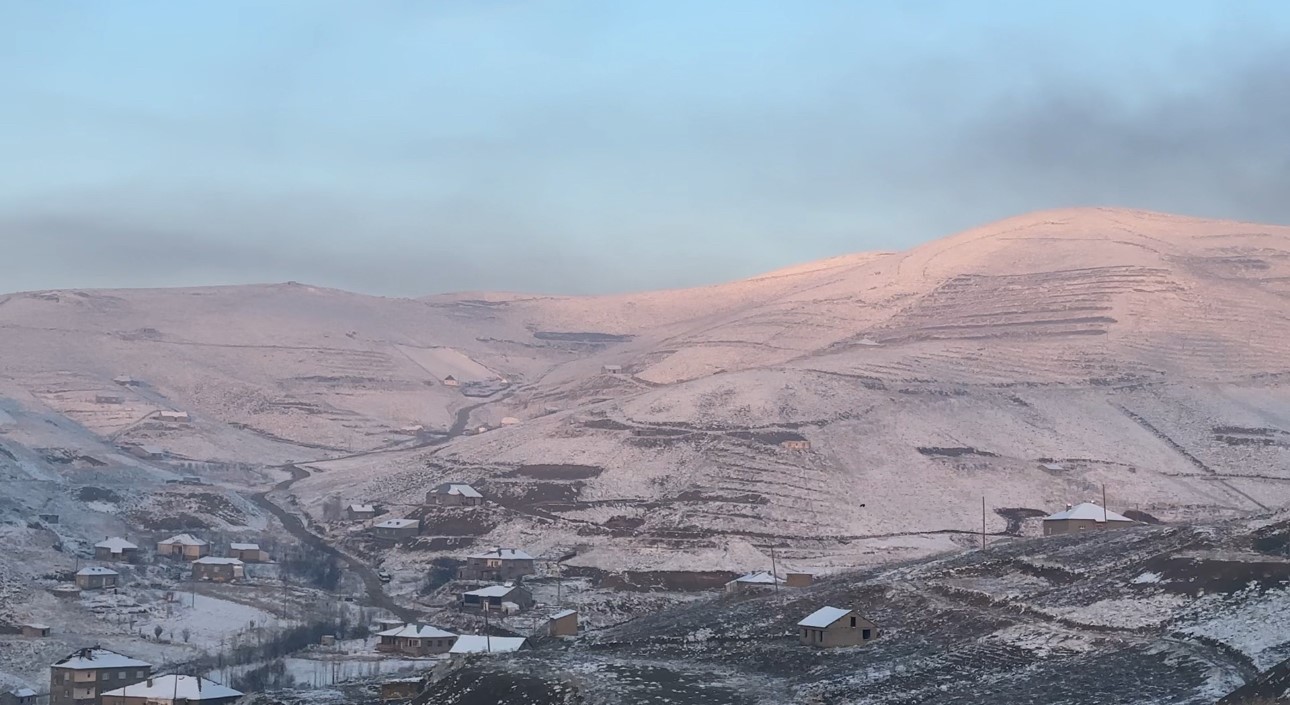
(508, 598)
(451, 494)
(1084, 517)
(415, 640)
(34, 629)
(218, 570)
(116, 549)
(833, 626)
(754, 582)
(97, 578)
(19, 696)
(358, 512)
(397, 529)
(498, 564)
(172, 690)
(247, 552)
(799, 580)
(80, 678)
(563, 623)
(185, 546)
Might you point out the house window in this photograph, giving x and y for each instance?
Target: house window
(140, 674)
(853, 622)
(865, 634)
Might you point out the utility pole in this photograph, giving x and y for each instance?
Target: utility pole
(488, 637)
(558, 586)
(1104, 505)
(774, 573)
(982, 522)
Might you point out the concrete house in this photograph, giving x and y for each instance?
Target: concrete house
(247, 552)
(1084, 517)
(498, 564)
(174, 416)
(172, 690)
(116, 549)
(97, 577)
(397, 529)
(452, 494)
(185, 546)
(563, 623)
(415, 640)
(80, 678)
(358, 512)
(507, 598)
(218, 570)
(753, 582)
(19, 696)
(34, 629)
(833, 626)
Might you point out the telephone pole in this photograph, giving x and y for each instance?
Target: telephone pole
(488, 637)
(982, 522)
(1104, 525)
(774, 573)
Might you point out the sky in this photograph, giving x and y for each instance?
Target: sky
(405, 148)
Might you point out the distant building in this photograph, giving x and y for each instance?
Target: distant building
(148, 452)
(174, 416)
(126, 381)
(34, 629)
(510, 421)
(356, 512)
(109, 399)
(797, 580)
(185, 546)
(397, 529)
(97, 578)
(67, 592)
(476, 644)
(834, 626)
(401, 689)
(753, 582)
(18, 696)
(218, 570)
(451, 494)
(450, 381)
(496, 598)
(1084, 517)
(611, 369)
(49, 518)
(116, 549)
(563, 623)
(798, 445)
(79, 678)
(247, 552)
(172, 690)
(497, 564)
(415, 640)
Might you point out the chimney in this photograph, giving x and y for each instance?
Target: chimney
(1068, 505)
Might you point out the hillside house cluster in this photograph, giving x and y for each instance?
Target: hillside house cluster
(1084, 517)
(454, 494)
(116, 549)
(830, 627)
(499, 564)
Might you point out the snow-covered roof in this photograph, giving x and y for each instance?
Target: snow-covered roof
(760, 578)
(823, 617)
(1087, 510)
(398, 523)
(96, 570)
(216, 560)
(25, 693)
(361, 508)
(509, 420)
(96, 657)
(34, 625)
(1051, 466)
(176, 687)
(244, 546)
(153, 450)
(475, 644)
(506, 554)
(456, 488)
(493, 591)
(184, 540)
(562, 614)
(417, 631)
(116, 544)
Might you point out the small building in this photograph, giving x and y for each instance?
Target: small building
(510, 421)
(49, 518)
(172, 690)
(415, 640)
(563, 623)
(109, 399)
(401, 689)
(96, 577)
(18, 696)
(385, 624)
(247, 552)
(476, 644)
(798, 580)
(451, 381)
(327, 640)
(499, 564)
(116, 549)
(218, 570)
(185, 546)
(795, 444)
(611, 369)
(412, 430)
(753, 582)
(833, 626)
(34, 629)
(77, 678)
(397, 529)
(494, 597)
(67, 592)
(1084, 517)
(126, 381)
(148, 452)
(358, 512)
(174, 416)
(454, 494)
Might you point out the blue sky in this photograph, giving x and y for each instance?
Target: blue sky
(407, 148)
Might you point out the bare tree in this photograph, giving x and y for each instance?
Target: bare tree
(157, 630)
(186, 634)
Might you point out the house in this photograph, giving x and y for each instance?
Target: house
(450, 381)
(148, 452)
(355, 512)
(753, 582)
(401, 689)
(184, 546)
(415, 640)
(109, 399)
(386, 624)
(172, 690)
(795, 444)
(497, 564)
(218, 570)
(1084, 517)
(19, 696)
(453, 494)
(834, 626)
(49, 518)
(247, 552)
(69, 592)
(563, 623)
(797, 580)
(97, 578)
(79, 678)
(34, 629)
(611, 369)
(126, 381)
(510, 421)
(475, 644)
(497, 597)
(116, 549)
(174, 416)
(396, 529)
